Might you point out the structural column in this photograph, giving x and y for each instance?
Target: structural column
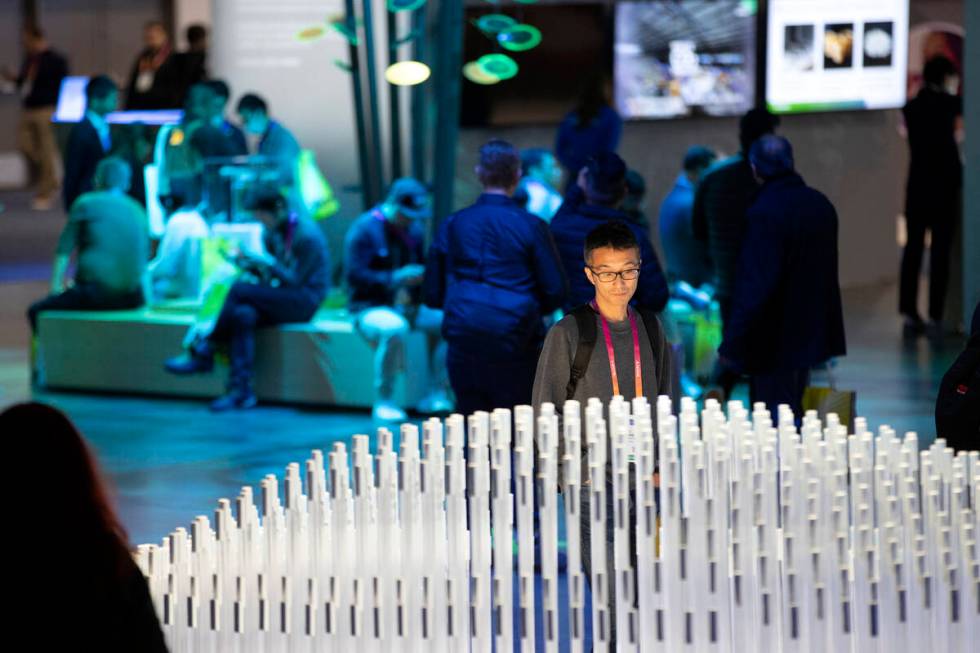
(971, 173)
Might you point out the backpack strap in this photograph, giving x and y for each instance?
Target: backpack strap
(655, 330)
(585, 321)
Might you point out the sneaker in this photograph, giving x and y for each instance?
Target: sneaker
(385, 411)
(435, 403)
(199, 359)
(234, 400)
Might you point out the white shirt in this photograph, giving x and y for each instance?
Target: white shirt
(176, 270)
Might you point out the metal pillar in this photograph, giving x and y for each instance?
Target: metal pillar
(971, 172)
(448, 62)
(394, 101)
(355, 75)
(373, 184)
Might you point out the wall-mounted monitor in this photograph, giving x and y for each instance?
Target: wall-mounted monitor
(677, 58)
(831, 55)
(71, 107)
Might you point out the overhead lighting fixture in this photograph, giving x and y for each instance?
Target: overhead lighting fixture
(404, 5)
(407, 73)
(495, 23)
(519, 38)
(475, 73)
(498, 65)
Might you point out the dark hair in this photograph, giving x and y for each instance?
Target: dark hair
(196, 33)
(605, 178)
(99, 87)
(252, 102)
(698, 157)
(937, 70)
(33, 31)
(44, 441)
(591, 100)
(266, 198)
(532, 157)
(755, 123)
(636, 186)
(499, 165)
(219, 87)
(772, 156)
(613, 233)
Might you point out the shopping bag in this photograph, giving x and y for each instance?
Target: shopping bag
(827, 399)
(314, 189)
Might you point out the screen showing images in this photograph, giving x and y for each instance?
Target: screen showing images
(676, 58)
(826, 55)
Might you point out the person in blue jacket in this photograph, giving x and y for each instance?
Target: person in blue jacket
(494, 271)
(786, 312)
(595, 200)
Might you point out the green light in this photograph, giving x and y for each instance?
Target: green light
(526, 2)
(519, 38)
(475, 73)
(494, 23)
(312, 33)
(404, 5)
(498, 65)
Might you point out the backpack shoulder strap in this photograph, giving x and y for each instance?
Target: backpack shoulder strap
(651, 323)
(585, 321)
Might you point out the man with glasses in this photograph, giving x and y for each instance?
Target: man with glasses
(592, 202)
(602, 349)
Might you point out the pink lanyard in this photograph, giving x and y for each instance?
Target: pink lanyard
(637, 365)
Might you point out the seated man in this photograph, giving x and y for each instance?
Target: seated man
(175, 272)
(383, 265)
(595, 201)
(107, 229)
(540, 174)
(274, 141)
(216, 116)
(286, 284)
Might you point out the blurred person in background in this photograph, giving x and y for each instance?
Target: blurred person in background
(592, 127)
(494, 271)
(73, 552)
(146, 89)
(540, 178)
(384, 265)
(90, 140)
(633, 204)
(687, 257)
(216, 116)
(267, 137)
(786, 315)
(39, 83)
(933, 193)
(188, 67)
(595, 200)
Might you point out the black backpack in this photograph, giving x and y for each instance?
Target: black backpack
(587, 335)
(958, 402)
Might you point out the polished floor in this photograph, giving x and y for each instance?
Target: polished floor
(170, 460)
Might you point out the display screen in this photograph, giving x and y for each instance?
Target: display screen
(676, 58)
(71, 107)
(829, 55)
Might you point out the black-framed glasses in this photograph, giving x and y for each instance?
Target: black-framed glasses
(608, 277)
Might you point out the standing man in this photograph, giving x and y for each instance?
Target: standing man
(933, 192)
(786, 314)
(720, 202)
(147, 90)
(107, 230)
(274, 141)
(384, 266)
(635, 361)
(90, 140)
(600, 189)
(687, 259)
(494, 271)
(39, 83)
(285, 284)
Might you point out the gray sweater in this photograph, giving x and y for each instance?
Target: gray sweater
(555, 365)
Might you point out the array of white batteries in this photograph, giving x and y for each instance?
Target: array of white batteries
(768, 538)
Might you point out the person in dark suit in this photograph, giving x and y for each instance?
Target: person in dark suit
(90, 140)
(494, 270)
(932, 194)
(147, 89)
(786, 314)
(184, 69)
